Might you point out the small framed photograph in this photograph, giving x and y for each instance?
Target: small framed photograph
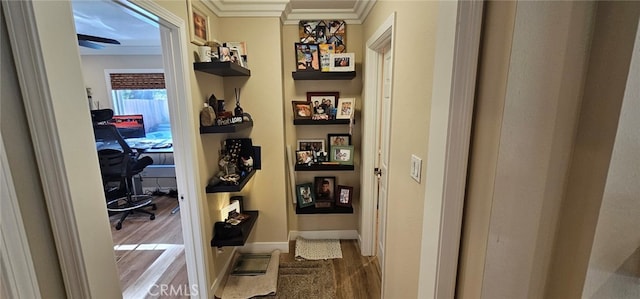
(241, 46)
(304, 157)
(345, 196)
(224, 54)
(342, 154)
(342, 62)
(235, 56)
(305, 195)
(199, 30)
(307, 57)
(325, 188)
(301, 110)
(323, 104)
(316, 145)
(345, 108)
(338, 140)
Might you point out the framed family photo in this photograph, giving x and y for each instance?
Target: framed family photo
(323, 104)
(305, 195)
(304, 157)
(324, 188)
(342, 154)
(315, 145)
(345, 196)
(345, 108)
(342, 62)
(337, 140)
(199, 30)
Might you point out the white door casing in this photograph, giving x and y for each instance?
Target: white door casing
(383, 146)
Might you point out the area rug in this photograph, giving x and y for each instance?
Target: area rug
(311, 249)
(241, 287)
(305, 280)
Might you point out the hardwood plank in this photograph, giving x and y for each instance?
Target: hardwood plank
(144, 283)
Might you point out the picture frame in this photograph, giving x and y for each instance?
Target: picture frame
(307, 57)
(337, 140)
(342, 62)
(304, 157)
(342, 154)
(224, 54)
(324, 188)
(235, 56)
(316, 145)
(199, 30)
(345, 108)
(332, 32)
(344, 196)
(301, 109)
(323, 104)
(305, 195)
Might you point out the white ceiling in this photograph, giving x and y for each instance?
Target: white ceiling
(139, 35)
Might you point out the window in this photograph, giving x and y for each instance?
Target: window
(142, 93)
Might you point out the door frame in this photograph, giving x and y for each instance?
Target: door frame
(28, 54)
(453, 94)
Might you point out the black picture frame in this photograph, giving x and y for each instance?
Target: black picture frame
(344, 197)
(305, 195)
(307, 57)
(324, 188)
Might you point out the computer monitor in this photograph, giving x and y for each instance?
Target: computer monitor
(129, 126)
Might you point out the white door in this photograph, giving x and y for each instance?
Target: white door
(383, 152)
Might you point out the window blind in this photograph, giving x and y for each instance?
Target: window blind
(121, 81)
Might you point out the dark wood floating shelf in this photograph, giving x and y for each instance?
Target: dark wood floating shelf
(245, 227)
(230, 188)
(321, 167)
(226, 129)
(311, 75)
(225, 69)
(332, 210)
(321, 122)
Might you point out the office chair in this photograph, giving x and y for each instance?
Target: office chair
(119, 163)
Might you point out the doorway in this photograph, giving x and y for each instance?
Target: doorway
(149, 254)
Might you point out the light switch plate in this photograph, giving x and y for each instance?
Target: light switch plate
(416, 168)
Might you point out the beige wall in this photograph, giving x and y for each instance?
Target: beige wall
(617, 236)
(414, 36)
(24, 170)
(296, 90)
(93, 67)
(613, 38)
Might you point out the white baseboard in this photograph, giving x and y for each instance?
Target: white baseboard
(221, 277)
(324, 234)
(264, 247)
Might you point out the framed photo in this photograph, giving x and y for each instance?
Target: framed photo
(324, 188)
(316, 145)
(307, 57)
(224, 53)
(301, 110)
(235, 56)
(337, 140)
(332, 32)
(242, 46)
(198, 24)
(342, 62)
(345, 108)
(304, 157)
(323, 104)
(345, 196)
(304, 193)
(342, 154)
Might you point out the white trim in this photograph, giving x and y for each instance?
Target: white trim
(216, 283)
(324, 234)
(27, 51)
(373, 67)
(18, 272)
(176, 61)
(262, 247)
(449, 136)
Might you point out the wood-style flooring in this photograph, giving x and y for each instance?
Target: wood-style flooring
(150, 253)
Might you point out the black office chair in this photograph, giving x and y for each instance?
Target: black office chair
(119, 163)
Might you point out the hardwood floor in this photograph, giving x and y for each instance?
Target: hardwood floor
(356, 276)
(150, 253)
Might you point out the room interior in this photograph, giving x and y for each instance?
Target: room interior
(559, 218)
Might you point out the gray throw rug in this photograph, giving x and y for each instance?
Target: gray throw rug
(305, 280)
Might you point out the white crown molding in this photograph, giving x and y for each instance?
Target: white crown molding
(283, 10)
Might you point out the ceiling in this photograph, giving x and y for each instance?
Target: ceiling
(139, 35)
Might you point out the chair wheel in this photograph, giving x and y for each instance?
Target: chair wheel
(118, 226)
(152, 217)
